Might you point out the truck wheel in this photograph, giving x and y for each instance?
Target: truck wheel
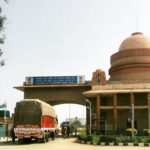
(27, 140)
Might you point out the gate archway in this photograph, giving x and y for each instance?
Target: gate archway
(56, 94)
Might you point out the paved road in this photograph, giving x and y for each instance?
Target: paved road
(64, 144)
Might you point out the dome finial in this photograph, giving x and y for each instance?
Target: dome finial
(137, 33)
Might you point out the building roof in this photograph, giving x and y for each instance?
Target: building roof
(92, 93)
(118, 88)
(23, 87)
(136, 40)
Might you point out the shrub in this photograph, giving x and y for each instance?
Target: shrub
(146, 132)
(144, 139)
(110, 139)
(148, 140)
(85, 137)
(124, 139)
(121, 139)
(89, 138)
(96, 138)
(82, 137)
(107, 138)
(129, 131)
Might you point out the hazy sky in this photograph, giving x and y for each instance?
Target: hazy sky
(64, 37)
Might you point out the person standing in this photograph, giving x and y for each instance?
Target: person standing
(64, 132)
(68, 131)
(12, 134)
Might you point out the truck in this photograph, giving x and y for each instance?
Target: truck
(34, 119)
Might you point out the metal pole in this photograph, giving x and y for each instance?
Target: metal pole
(89, 115)
(132, 114)
(132, 107)
(132, 121)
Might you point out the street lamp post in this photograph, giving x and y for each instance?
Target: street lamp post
(89, 114)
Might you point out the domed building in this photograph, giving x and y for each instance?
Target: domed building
(123, 101)
(132, 61)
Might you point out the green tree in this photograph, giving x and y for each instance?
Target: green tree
(74, 125)
(2, 36)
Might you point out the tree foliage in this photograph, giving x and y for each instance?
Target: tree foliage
(2, 36)
(74, 125)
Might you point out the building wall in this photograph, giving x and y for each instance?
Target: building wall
(141, 116)
(141, 99)
(57, 95)
(123, 108)
(123, 99)
(109, 121)
(106, 101)
(122, 116)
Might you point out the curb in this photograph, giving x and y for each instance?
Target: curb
(114, 144)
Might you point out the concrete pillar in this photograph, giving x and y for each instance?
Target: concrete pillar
(148, 97)
(132, 108)
(149, 113)
(115, 112)
(87, 118)
(98, 112)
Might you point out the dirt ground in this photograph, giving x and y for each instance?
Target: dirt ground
(63, 144)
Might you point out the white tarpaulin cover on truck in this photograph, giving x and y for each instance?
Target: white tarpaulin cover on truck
(30, 111)
(45, 108)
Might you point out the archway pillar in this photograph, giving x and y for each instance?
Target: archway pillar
(98, 112)
(115, 112)
(148, 97)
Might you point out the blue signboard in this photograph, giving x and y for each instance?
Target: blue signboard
(54, 80)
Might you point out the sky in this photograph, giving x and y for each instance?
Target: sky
(64, 37)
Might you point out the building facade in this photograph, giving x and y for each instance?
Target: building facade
(116, 104)
(123, 101)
